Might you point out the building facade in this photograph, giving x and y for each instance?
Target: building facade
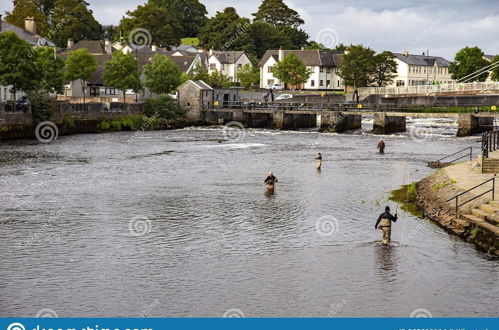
(227, 62)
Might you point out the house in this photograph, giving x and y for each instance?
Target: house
(322, 63)
(417, 70)
(489, 59)
(196, 97)
(227, 62)
(28, 34)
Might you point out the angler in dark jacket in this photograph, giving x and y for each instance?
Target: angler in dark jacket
(385, 224)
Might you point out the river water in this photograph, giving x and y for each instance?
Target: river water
(178, 223)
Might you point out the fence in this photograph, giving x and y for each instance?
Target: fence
(474, 87)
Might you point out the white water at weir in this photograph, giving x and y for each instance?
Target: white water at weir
(182, 218)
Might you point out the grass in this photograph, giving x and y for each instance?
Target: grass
(190, 41)
(406, 196)
(436, 187)
(474, 231)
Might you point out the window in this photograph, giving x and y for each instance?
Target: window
(94, 91)
(270, 82)
(328, 69)
(321, 69)
(269, 69)
(223, 66)
(213, 66)
(338, 83)
(400, 83)
(312, 83)
(312, 69)
(321, 83)
(111, 91)
(328, 83)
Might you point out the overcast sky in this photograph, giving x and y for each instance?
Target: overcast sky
(442, 26)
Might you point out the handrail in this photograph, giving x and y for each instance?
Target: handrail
(490, 142)
(470, 155)
(467, 191)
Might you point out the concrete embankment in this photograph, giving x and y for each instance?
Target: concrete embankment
(477, 221)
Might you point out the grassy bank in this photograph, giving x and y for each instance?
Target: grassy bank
(406, 197)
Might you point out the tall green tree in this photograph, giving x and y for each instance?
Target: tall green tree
(276, 12)
(314, 45)
(190, 13)
(26, 8)
(224, 31)
(51, 69)
(73, 19)
(162, 76)
(466, 62)
(219, 80)
(495, 72)
(385, 69)
(358, 66)
(248, 75)
(261, 36)
(17, 65)
(122, 72)
(291, 70)
(299, 38)
(162, 27)
(46, 6)
(200, 72)
(80, 65)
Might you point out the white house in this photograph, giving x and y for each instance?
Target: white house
(417, 70)
(322, 63)
(227, 62)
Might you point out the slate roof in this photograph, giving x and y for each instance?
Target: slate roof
(327, 58)
(33, 39)
(490, 57)
(422, 60)
(93, 46)
(229, 57)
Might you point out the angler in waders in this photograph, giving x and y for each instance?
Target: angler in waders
(386, 220)
(381, 146)
(318, 161)
(270, 181)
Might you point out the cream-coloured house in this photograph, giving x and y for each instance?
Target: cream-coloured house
(322, 63)
(418, 70)
(227, 62)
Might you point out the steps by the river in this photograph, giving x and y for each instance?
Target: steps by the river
(490, 165)
(485, 216)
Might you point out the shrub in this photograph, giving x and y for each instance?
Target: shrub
(163, 106)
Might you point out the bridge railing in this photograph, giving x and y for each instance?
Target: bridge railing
(477, 87)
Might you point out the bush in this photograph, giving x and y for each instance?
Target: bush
(116, 125)
(163, 106)
(42, 106)
(105, 125)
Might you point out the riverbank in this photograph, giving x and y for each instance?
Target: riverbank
(476, 222)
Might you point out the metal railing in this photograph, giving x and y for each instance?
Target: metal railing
(476, 87)
(490, 142)
(441, 163)
(458, 205)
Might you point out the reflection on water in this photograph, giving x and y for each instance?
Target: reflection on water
(183, 223)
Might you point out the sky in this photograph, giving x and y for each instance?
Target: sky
(441, 26)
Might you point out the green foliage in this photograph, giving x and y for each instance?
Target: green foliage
(46, 6)
(291, 70)
(42, 106)
(122, 72)
(115, 125)
(163, 106)
(219, 80)
(313, 45)
(51, 69)
(406, 195)
(190, 13)
(262, 36)
(26, 8)
(358, 66)
(385, 69)
(68, 124)
(200, 72)
(109, 32)
(105, 125)
(467, 61)
(80, 64)
(17, 64)
(224, 31)
(190, 41)
(495, 71)
(474, 231)
(162, 25)
(162, 76)
(298, 37)
(73, 19)
(276, 12)
(248, 75)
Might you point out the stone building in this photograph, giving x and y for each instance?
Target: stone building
(196, 97)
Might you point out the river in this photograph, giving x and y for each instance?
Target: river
(177, 224)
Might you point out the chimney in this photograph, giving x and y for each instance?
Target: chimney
(30, 24)
(154, 48)
(211, 52)
(405, 53)
(71, 43)
(108, 47)
(281, 54)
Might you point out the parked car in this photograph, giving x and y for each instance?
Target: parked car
(275, 86)
(284, 97)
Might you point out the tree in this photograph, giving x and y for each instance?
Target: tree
(495, 71)
(162, 76)
(276, 12)
(122, 72)
(291, 70)
(190, 13)
(200, 73)
(298, 37)
(80, 65)
(149, 24)
(385, 69)
(248, 75)
(17, 67)
(224, 31)
(466, 62)
(313, 45)
(109, 32)
(358, 66)
(261, 36)
(26, 8)
(46, 6)
(340, 48)
(219, 80)
(72, 19)
(51, 68)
